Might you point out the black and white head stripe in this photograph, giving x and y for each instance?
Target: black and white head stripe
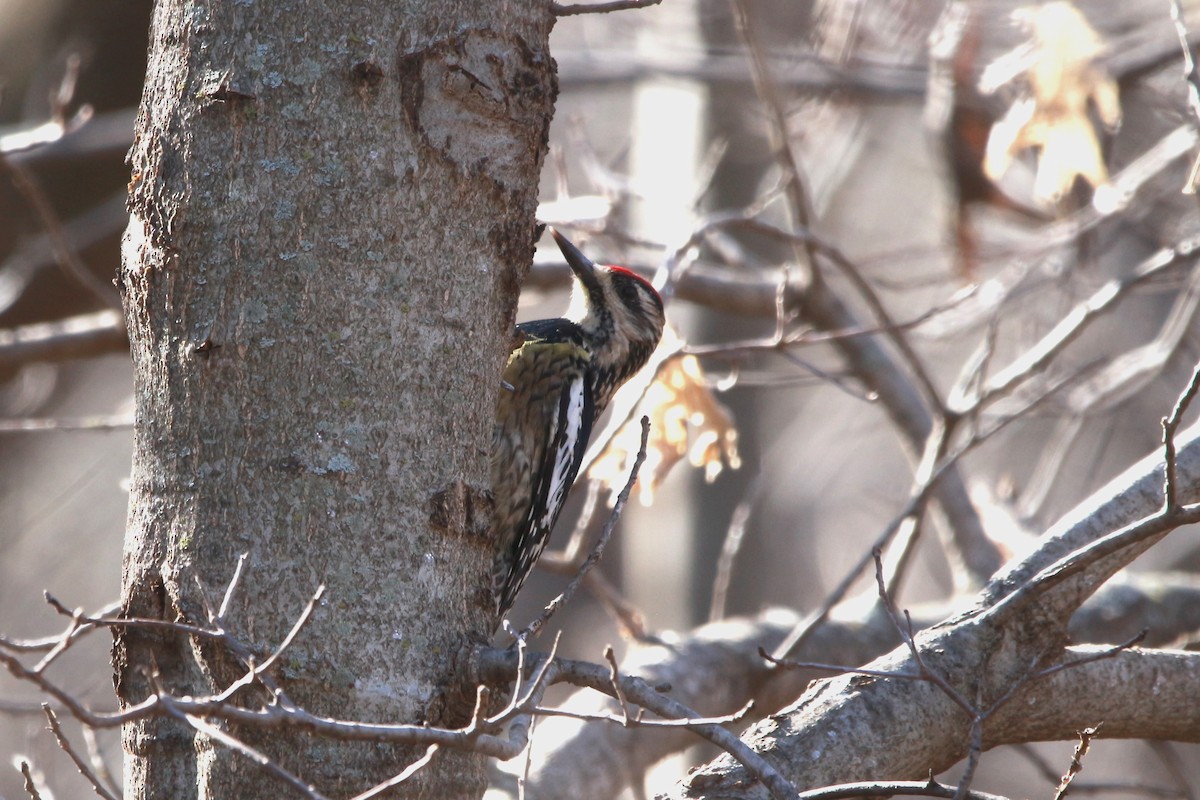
(637, 295)
(615, 301)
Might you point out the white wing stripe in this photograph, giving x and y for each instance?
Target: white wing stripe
(564, 456)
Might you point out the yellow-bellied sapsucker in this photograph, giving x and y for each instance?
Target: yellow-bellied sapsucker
(558, 380)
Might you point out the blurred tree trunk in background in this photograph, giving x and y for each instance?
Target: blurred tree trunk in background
(319, 277)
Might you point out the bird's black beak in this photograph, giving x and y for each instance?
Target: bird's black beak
(580, 264)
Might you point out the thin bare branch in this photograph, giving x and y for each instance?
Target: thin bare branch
(98, 423)
(274, 768)
(31, 781)
(730, 548)
(1191, 77)
(1170, 426)
(295, 629)
(73, 337)
(1085, 557)
(930, 788)
(401, 777)
(99, 766)
(1036, 358)
(614, 673)
(1085, 742)
(795, 187)
(1044, 769)
(839, 669)
(561, 10)
(50, 642)
(82, 765)
(639, 721)
(65, 255)
(223, 611)
(905, 629)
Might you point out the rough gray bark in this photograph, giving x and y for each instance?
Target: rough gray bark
(332, 209)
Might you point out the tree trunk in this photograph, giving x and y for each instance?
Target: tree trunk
(332, 210)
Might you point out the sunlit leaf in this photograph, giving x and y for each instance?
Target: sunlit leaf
(1066, 81)
(686, 420)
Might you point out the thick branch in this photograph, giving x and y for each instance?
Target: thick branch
(74, 337)
(1135, 494)
(910, 727)
(717, 669)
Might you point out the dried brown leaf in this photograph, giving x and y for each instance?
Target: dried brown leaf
(1065, 82)
(686, 420)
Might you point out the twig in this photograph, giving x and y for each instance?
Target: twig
(274, 768)
(838, 669)
(1085, 557)
(97, 759)
(975, 749)
(223, 611)
(103, 220)
(809, 624)
(930, 788)
(638, 721)
(1124, 787)
(889, 328)
(730, 548)
(132, 622)
(519, 676)
(561, 10)
(805, 628)
(519, 713)
(920, 496)
(408, 772)
(818, 247)
(1191, 77)
(795, 187)
(59, 125)
(64, 642)
(73, 337)
(629, 618)
(1036, 358)
(614, 673)
(84, 769)
(816, 337)
(50, 642)
(1170, 425)
(1085, 742)
(99, 423)
(523, 778)
(904, 544)
(30, 783)
(639, 692)
(295, 630)
(162, 704)
(64, 254)
(974, 753)
(1132, 641)
(977, 714)
(905, 629)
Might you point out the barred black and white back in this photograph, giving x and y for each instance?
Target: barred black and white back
(558, 380)
(543, 425)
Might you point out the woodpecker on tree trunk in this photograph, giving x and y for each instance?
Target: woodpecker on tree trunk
(560, 377)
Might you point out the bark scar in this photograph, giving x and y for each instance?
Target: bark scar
(462, 511)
